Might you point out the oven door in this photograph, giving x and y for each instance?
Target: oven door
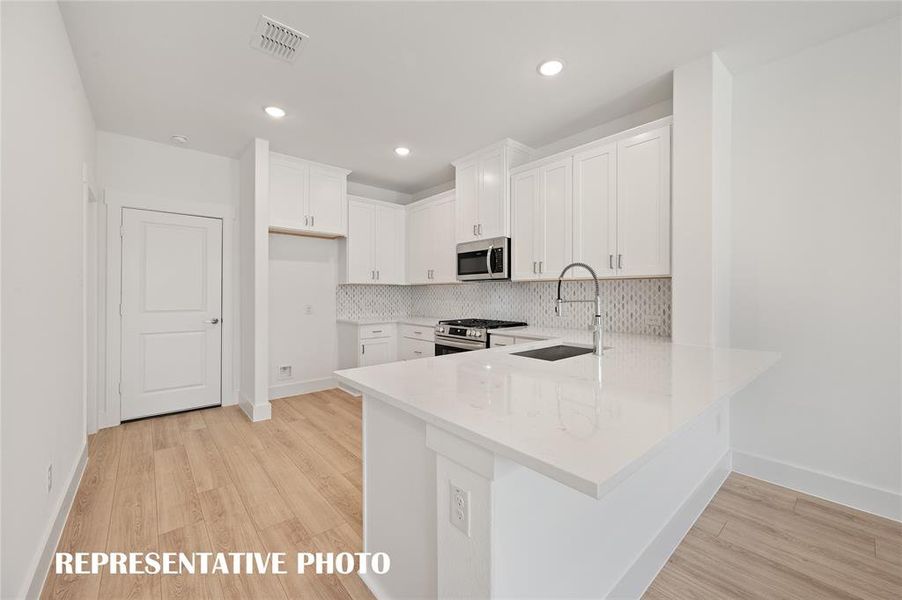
(446, 345)
(484, 259)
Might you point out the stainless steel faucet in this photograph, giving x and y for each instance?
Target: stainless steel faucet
(596, 326)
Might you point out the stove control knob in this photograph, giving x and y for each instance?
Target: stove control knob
(478, 333)
(440, 329)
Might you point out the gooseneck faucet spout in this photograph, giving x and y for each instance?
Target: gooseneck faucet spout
(596, 324)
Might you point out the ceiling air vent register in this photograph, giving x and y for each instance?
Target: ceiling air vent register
(277, 39)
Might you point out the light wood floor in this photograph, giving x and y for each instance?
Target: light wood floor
(212, 481)
(209, 481)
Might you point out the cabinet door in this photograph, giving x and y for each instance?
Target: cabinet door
(643, 204)
(360, 242)
(287, 193)
(595, 209)
(388, 236)
(554, 226)
(376, 352)
(466, 191)
(417, 245)
(493, 208)
(524, 224)
(327, 201)
(442, 247)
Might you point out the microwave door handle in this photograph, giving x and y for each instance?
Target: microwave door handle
(488, 262)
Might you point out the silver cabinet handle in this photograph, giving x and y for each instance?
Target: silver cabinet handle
(363, 348)
(213, 321)
(541, 267)
(417, 351)
(479, 229)
(306, 221)
(488, 260)
(533, 266)
(611, 261)
(474, 231)
(418, 332)
(619, 261)
(377, 331)
(372, 275)
(377, 275)
(312, 220)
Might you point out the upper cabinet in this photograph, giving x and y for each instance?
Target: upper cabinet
(374, 250)
(606, 204)
(431, 249)
(482, 204)
(307, 198)
(542, 220)
(643, 204)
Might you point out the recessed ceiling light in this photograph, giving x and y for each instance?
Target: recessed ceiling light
(402, 151)
(275, 112)
(550, 68)
(181, 140)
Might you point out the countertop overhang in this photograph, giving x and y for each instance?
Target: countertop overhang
(583, 421)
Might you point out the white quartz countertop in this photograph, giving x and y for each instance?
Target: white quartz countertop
(582, 337)
(585, 422)
(376, 319)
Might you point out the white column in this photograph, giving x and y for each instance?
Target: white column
(253, 210)
(702, 99)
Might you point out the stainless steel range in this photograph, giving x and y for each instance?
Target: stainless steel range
(462, 335)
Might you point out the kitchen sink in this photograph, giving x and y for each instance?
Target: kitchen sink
(555, 352)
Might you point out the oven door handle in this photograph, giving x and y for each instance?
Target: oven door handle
(441, 340)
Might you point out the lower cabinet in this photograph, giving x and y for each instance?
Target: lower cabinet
(378, 343)
(409, 349)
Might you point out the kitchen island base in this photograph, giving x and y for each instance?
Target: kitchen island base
(530, 536)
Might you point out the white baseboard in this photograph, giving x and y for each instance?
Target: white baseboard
(296, 388)
(643, 572)
(45, 558)
(853, 494)
(352, 391)
(255, 412)
(373, 585)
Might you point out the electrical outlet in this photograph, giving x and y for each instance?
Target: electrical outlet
(285, 372)
(460, 508)
(308, 309)
(49, 478)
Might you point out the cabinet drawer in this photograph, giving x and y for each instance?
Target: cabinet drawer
(497, 341)
(409, 349)
(417, 332)
(383, 330)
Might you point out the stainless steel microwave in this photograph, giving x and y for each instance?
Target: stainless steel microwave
(484, 259)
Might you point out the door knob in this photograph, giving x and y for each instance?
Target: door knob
(213, 321)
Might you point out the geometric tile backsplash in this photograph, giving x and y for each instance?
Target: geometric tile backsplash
(630, 305)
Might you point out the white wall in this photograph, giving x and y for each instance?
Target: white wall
(166, 176)
(48, 137)
(816, 266)
(303, 272)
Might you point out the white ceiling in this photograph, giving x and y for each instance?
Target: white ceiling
(441, 78)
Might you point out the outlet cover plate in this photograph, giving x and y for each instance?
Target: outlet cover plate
(459, 508)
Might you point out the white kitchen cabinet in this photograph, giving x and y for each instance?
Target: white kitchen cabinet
(483, 192)
(643, 204)
(542, 221)
(606, 204)
(595, 208)
(431, 249)
(410, 349)
(307, 198)
(376, 352)
(374, 249)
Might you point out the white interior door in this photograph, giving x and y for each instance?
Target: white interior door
(171, 312)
